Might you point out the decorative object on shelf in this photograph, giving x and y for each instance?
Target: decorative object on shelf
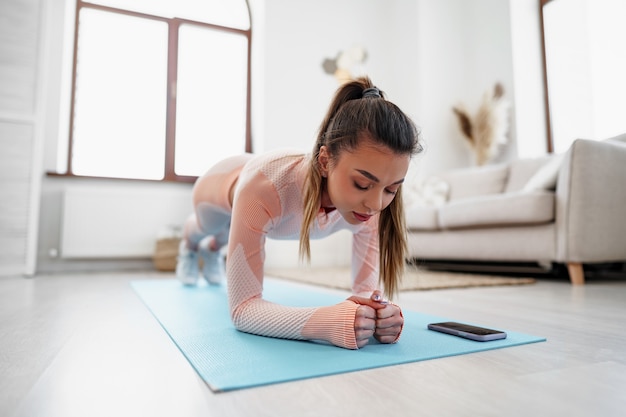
(347, 65)
(488, 128)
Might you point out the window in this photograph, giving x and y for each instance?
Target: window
(584, 44)
(160, 88)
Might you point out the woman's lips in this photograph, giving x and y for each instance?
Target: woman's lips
(361, 217)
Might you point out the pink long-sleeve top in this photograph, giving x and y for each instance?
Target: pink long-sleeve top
(267, 203)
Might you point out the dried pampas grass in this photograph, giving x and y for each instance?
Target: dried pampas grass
(488, 128)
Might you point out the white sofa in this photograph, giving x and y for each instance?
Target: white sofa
(566, 209)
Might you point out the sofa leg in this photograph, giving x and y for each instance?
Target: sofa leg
(576, 273)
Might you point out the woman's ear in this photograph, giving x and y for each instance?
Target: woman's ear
(322, 160)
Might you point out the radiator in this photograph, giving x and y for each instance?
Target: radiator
(114, 223)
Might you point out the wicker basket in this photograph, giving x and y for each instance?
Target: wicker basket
(165, 253)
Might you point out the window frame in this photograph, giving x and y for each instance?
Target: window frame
(551, 146)
(169, 173)
(546, 93)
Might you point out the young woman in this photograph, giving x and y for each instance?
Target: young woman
(352, 180)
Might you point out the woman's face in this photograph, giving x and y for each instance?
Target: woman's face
(363, 182)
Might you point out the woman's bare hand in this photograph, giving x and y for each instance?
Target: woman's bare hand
(389, 323)
(365, 319)
(378, 318)
(364, 324)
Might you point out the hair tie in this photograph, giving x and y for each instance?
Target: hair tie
(371, 92)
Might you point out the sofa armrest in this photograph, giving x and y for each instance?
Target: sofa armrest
(591, 202)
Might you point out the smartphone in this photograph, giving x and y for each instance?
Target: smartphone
(479, 334)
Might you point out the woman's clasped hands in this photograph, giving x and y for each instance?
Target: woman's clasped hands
(377, 318)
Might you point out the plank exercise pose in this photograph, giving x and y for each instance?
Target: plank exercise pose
(352, 180)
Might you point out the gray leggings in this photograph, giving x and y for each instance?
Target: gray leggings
(208, 220)
(212, 208)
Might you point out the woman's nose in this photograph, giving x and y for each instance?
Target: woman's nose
(374, 202)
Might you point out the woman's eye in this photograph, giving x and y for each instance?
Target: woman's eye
(360, 187)
(392, 192)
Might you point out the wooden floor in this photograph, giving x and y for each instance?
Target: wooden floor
(84, 345)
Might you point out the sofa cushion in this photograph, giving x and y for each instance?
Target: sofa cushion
(620, 139)
(433, 191)
(497, 210)
(545, 178)
(522, 170)
(421, 218)
(472, 182)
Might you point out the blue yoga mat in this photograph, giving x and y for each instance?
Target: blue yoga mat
(198, 321)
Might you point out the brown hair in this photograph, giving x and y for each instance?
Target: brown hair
(352, 116)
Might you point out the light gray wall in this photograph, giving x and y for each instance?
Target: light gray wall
(20, 133)
(428, 55)
(298, 36)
